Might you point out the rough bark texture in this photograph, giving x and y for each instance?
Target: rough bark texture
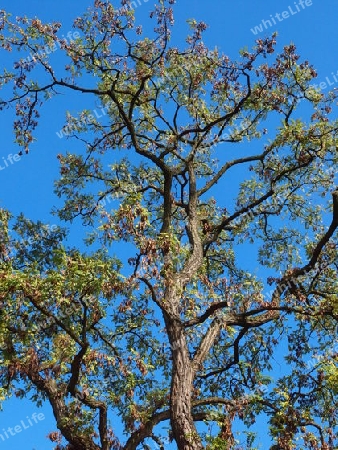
(183, 427)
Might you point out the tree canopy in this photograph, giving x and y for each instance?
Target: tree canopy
(199, 160)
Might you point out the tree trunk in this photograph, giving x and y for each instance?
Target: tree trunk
(183, 427)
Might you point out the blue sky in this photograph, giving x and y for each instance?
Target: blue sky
(27, 185)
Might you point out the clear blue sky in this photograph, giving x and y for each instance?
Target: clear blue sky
(27, 185)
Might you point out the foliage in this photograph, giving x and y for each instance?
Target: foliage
(206, 159)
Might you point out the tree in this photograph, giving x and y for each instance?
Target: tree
(201, 158)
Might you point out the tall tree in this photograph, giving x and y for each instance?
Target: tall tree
(198, 160)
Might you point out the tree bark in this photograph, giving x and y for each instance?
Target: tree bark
(182, 423)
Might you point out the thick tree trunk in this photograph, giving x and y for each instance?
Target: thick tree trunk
(182, 423)
(183, 427)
